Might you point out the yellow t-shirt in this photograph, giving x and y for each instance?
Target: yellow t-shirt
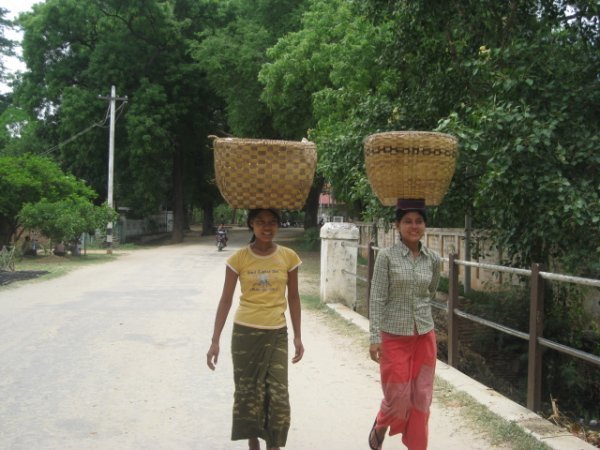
(263, 282)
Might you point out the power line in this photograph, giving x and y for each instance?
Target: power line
(72, 138)
(99, 124)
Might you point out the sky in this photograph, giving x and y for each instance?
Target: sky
(14, 7)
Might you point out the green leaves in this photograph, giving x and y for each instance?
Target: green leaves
(27, 180)
(75, 50)
(233, 54)
(6, 44)
(510, 80)
(515, 81)
(66, 219)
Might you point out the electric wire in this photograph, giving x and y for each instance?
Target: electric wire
(99, 124)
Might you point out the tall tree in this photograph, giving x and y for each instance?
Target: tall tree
(533, 142)
(317, 77)
(6, 45)
(516, 81)
(233, 52)
(75, 50)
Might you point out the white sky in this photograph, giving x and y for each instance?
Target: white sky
(14, 7)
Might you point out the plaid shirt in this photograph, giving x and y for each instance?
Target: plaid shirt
(401, 291)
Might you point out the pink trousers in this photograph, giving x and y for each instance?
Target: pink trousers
(407, 367)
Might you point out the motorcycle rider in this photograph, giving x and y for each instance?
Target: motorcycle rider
(222, 234)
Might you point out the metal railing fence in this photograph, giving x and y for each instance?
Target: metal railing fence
(536, 315)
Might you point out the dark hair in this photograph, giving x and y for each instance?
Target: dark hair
(401, 212)
(253, 213)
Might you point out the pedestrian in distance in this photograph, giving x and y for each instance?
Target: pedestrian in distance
(259, 344)
(402, 336)
(29, 247)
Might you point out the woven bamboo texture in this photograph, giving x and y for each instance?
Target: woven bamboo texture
(255, 173)
(410, 164)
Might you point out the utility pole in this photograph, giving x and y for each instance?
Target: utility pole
(111, 160)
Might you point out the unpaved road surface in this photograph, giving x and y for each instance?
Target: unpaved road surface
(112, 356)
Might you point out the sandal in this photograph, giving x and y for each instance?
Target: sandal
(374, 440)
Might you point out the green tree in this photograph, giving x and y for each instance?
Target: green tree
(27, 180)
(19, 132)
(6, 45)
(517, 82)
(530, 145)
(66, 219)
(75, 50)
(233, 51)
(317, 77)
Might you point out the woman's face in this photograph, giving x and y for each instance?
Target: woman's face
(265, 226)
(411, 227)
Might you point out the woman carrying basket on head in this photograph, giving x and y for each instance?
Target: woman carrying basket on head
(403, 342)
(259, 342)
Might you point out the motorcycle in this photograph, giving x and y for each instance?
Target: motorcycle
(221, 238)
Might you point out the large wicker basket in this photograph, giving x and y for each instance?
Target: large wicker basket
(256, 173)
(410, 164)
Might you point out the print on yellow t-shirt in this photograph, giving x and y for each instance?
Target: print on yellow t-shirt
(263, 282)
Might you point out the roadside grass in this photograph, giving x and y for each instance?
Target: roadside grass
(56, 266)
(499, 431)
(46, 266)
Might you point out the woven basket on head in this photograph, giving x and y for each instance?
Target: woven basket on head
(410, 164)
(258, 173)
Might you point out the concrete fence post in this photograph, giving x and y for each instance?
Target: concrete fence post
(339, 253)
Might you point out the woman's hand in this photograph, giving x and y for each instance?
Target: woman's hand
(375, 352)
(212, 356)
(299, 350)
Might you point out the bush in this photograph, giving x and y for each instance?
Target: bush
(311, 239)
(570, 380)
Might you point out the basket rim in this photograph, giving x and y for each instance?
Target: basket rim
(409, 132)
(281, 142)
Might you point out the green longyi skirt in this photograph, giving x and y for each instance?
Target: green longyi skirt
(260, 370)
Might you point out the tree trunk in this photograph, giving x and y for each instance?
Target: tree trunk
(208, 219)
(8, 230)
(178, 201)
(311, 207)
(4, 232)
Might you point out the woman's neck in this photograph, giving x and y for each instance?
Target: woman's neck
(263, 248)
(414, 247)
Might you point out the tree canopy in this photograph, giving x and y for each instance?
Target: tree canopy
(31, 179)
(232, 52)
(517, 82)
(66, 219)
(76, 50)
(6, 44)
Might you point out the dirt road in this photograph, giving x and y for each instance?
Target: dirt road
(112, 356)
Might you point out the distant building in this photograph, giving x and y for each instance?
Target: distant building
(330, 210)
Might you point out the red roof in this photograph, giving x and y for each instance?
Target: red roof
(326, 199)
